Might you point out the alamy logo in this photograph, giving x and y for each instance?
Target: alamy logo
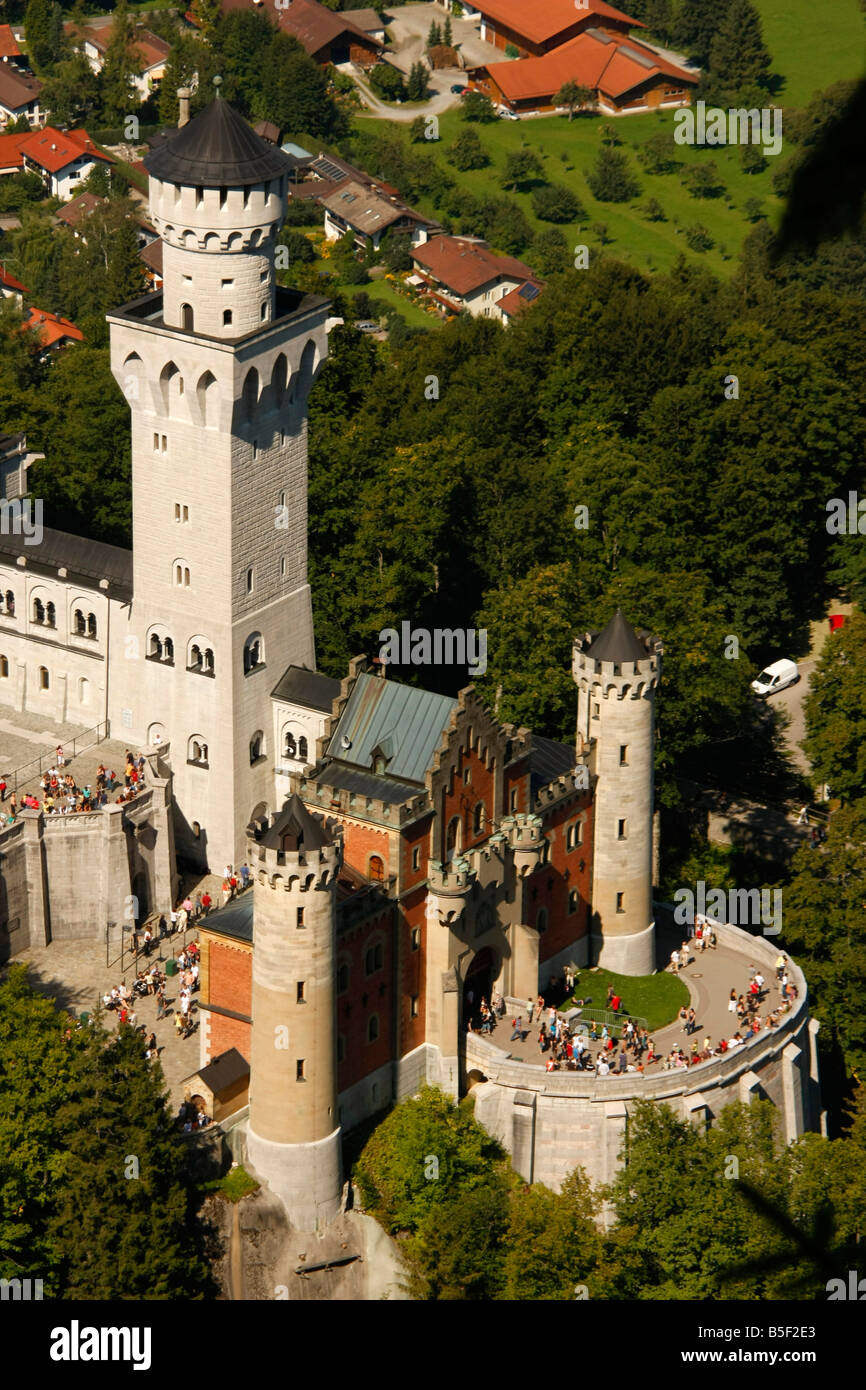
(739, 907)
(21, 1289)
(713, 126)
(440, 646)
(846, 519)
(854, 1291)
(17, 517)
(75, 1343)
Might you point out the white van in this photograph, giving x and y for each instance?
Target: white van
(776, 677)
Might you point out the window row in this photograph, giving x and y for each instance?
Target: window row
(200, 658)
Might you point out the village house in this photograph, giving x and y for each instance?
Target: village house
(19, 97)
(623, 75)
(462, 273)
(94, 36)
(53, 331)
(536, 27)
(63, 158)
(354, 207)
(10, 53)
(327, 36)
(10, 288)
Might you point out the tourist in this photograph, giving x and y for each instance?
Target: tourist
(803, 818)
(691, 1022)
(245, 876)
(602, 1068)
(3, 785)
(206, 902)
(196, 912)
(530, 1004)
(732, 1002)
(227, 892)
(61, 756)
(178, 1023)
(498, 1003)
(675, 961)
(685, 954)
(683, 1017)
(151, 1050)
(181, 918)
(517, 1025)
(781, 961)
(616, 1003)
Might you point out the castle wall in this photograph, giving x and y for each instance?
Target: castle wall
(76, 664)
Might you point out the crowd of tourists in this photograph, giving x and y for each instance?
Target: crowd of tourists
(61, 795)
(566, 1048)
(123, 999)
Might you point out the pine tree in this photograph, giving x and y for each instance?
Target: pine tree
(447, 36)
(739, 58)
(40, 29)
(696, 23)
(416, 83)
(121, 57)
(434, 35)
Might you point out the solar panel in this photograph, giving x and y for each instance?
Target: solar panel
(327, 168)
(636, 57)
(529, 291)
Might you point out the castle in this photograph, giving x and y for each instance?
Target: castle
(410, 852)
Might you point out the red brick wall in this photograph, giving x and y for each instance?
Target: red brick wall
(414, 837)
(552, 882)
(362, 1057)
(461, 798)
(361, 841)
(414, 971)
(517, 779)
(226, 978)
(226, 1033)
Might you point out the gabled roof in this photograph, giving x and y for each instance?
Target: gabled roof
(378, 709)
(299, 686)
(541, 20)
(363, 209)
(223, 1072)
(51, 328)
(216, 147)
(9, 282)
(8, 43)
(305, 832)
(10, 150)
(594, 59)
(312, 24)
(151, 255)
(516, 300)
(464, 266)
(17, 91)
(53, 150)
(82, 206)
(617, 642)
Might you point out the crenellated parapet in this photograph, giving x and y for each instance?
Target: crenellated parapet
(525, 833)
(634, 678)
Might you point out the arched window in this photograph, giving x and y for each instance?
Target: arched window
(44, 679)
(50, 615)
(194, 657)
(186, 318)
(155, 647)
(342, 978)
(208, 660)
(573, 901)
(181, 574)
(453, 837)
(207, 396)
(84, 691)
(250, 393)
(478, 819)
(257, 746)
(227, 317)
(91, 624)
(541, 920)
(4, 667)
(302, 748)
(373, 1028)
(254, 653)
(291, 747)
(376, 872)
(197, 751)
(38, 611)
(10, 603)
(168, 648)
(78, 623)
(574, 835)
(160, 646)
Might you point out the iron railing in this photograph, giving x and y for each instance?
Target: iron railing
(28, 772)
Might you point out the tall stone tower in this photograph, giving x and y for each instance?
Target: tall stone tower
(617, 673)
(293, 1135)
(217, 368)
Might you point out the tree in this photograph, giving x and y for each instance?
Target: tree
(447, 36)
(752, 159)
(698, 238)
(475, 106)
(457, 1253)
(654, 211)
(555, 203)
(658, 18)
(696, 24)
(421, 1157)
(434, 35)
(71, 93)
(521, 167)
(388, 82)
(552, 1240)
(116, 86)
(417, 83)
(206, 13)
(293, 89)
(657, 153)
(739, 58)
(550, 252)
(754, 209)
(704, 180)
(300, 248)
(467, 152)
(397, 251)
(574, 96)
(611, 181)
(43, 22)
(835, 711)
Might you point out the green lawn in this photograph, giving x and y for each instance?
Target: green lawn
(382, 292)
(812, 44)
(235, 1185)
(657, 998)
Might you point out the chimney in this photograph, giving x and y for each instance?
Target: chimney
(183, 107)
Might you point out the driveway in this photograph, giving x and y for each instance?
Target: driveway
(791, 700)
(442, 100)
(410, 25)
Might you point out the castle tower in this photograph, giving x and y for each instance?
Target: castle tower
(293, 1137)
(617, 674)
(217, 368)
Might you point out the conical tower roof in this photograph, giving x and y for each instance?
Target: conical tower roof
(216, 148)
(296, 822)
(617, 642)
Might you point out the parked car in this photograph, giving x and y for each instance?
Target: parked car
(459, 88)
(507, 114)
(776, 677)
(367, 326)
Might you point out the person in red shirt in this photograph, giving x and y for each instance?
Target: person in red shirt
(206, 901)
(615, 1003)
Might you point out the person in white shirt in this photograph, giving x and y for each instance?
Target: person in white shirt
(602, 1067)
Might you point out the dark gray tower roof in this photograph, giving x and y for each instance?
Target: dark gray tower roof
(617, 642)
(296, 830)
(217, 148)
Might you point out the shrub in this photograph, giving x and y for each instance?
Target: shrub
(698, 238)
(555, 203)
(467, 152)
(654, 211)
(611, 181)
(477, 107)
(388, 82)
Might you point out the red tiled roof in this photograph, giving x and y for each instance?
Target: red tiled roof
(53, 150)
(151, 255)
(10, 283)
(464, 265)
(541, 20)
(51, 328)
(8, 44)
(10, 151)
(151, 48)
(312, 24)
(609, 65)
